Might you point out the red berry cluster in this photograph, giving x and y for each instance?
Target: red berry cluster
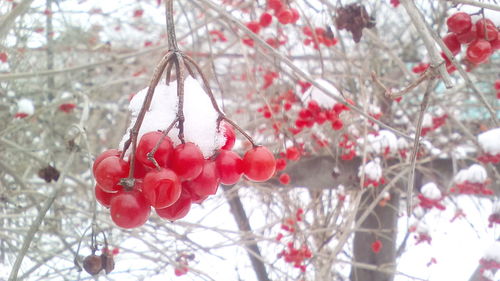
(285, 15)
(481, 38)
(322, 36)
(423, 237)
(437, 121)
(420, 68)
(497, 88)
(295, 256)
(173, 177)
(375, 183)
(489, 264)
(316, 114)
(467, 187)
(427, 203)
(489, 158)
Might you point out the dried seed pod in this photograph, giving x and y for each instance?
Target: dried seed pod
(92, 264)
(107, 262)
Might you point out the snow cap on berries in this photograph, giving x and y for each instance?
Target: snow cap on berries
(372, 170)
(489, 141)
(431, 191)
(25, 106)
(200, 124)
(474, 174)
(319, 96)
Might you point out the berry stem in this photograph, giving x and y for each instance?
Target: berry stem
(172, 39)
(153, 151)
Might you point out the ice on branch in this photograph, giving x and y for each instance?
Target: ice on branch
(200, 125)
(472, 180)
(319, 96)
(489, 142)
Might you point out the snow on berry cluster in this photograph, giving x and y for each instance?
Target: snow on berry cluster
(490, 262)
(481, 38)
(291, 254)
(490, 145)
(168, 174)
(430, 197)
(372, 172)
(494, 218)
(473, 180)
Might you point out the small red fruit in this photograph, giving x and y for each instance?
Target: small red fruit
(187, 161)
(253, 26)
(468, 36)
(178, 210)
(110, 171)
(161, 188)
(229, 164)
(280, 164)
(147, 144)
(230, 137)
(486, 29)
(259, 164)
(104, 198)
(459, 23)
(265, 19)
(276, 5)
(293, 153)
(376, 246)
(284, 178)
(285, 16)
(451, 41)
(104, 155)
(206, 183)
(295, 15)
(129, 209)
(478, 51)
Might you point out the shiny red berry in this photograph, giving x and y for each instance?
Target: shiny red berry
(229, 164)
(187, 161)
(265, 20)
(104, 155)
(206, 183)
(253, 26)
(103, 197)
(161, 188)
(284, 178)
(468, 36)
(459, 22)
(129, 209)
(451, 41)
(110, 171)
(230, 137)
(259, 164)
(486, 29)
(478, 51)
(178, 210)
(285, 16)
(147, 144)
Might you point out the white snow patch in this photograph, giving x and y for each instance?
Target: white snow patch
(200, 124)
(474, 174)
(372, 170)
(403, 143)
(431, 191)
(319, 96)
(25, 105)
(427, 121)
(378, 144)
(493, 252)
(490, 141)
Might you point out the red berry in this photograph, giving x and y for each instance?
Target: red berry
(276, 5)
(295, 15)
(376, 246)
(280, 164)
(451, 41)
(230, 137)
(495, 44)
(129, 209)
(468, 36)
(293, 153)
(161, 188)
(229, 164)
(259, 164)
(285, 16)
(206, 183)
(337, 124)
(265, 20)
(178, 210)
(284, 178)
(497, 84)
(104, 198)
(147, 144)
(110, 171)
(478, 51)
(486, 29)
(187, 161)
(3, 57)
(104, 155)
(253, 26)
(459, 23)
